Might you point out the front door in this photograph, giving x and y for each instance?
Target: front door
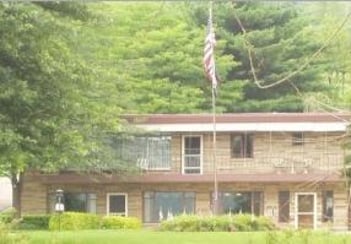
(305, 210)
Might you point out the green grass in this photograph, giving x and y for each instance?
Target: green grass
(154, 237)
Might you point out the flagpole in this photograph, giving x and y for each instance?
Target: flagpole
(214, 132)
(214, 149)
(210, 70)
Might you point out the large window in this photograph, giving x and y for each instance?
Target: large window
(76, 202)
(148, 152)
(240, 202)
(164, 205)
(327, 206)
(284, 206)
(242, 145)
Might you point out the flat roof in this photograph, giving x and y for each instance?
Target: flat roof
(302, 122)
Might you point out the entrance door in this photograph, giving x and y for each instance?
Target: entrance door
(305, 210)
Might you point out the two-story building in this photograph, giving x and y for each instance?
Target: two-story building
(288, 166)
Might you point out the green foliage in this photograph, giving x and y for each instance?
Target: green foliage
(6, 237)
(240, 222)
(74, 221)
(119, 222)
(34, 222)
(7, 216)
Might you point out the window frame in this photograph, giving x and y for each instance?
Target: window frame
(183, 154)
(143, 158)
(87, 195)
(108, 213)
(246, 142)
(281, 217)
(253, 197)
(152, 198)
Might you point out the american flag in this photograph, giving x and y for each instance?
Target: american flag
(209, 61)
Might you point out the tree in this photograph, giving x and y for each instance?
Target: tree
(153, 53)
(54, 113)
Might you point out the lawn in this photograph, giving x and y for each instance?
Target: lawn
(145, 237)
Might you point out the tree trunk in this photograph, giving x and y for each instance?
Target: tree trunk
(16, 181)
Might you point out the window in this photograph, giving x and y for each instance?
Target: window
(297, 138)
(327, 206)
(240, 202)
(76, 202)
(117, 204)
(163, 205)
(148, 152)
(284, 206)
(242, 146)
(192, 155)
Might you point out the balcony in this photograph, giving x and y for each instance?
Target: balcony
(279, 163)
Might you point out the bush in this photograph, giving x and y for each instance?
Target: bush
(8, 215)
(240, 222)
(244, 222)
(74, 221)
(119, 222)
(34, 222)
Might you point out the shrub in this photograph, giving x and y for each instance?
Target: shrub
(74, 221)
(244, 222)
(34, 222)
(240, 222)
(182, 223)
(265, 223)
(8, 215)
(119, 222)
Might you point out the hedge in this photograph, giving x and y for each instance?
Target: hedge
(240, 222)
(74, 221)
(119, 222)
(84, 221)
(34, 222)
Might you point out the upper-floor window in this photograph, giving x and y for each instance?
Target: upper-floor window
(242, 145)
(297, 138)
(192, 154)
(149, 152)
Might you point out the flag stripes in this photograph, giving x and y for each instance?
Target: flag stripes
(208, 60)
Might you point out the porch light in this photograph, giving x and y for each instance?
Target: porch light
(59, 205)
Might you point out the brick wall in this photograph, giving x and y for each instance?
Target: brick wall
(35, 196)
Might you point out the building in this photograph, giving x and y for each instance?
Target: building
(288, 166)
(6, 193)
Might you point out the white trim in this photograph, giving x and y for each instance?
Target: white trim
(201, 151)
(264, 126)
(314, 194)
(117, 194)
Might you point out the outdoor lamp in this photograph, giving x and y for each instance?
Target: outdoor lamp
(59, 205)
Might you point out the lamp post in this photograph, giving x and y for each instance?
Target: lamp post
(59, 205)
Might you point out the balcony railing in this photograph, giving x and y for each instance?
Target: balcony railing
(279, 163)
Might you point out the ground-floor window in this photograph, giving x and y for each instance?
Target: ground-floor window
(117, 204)
(284, 206)
(76, 202)
(164, 205)
(327, 206)
(240, 202)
